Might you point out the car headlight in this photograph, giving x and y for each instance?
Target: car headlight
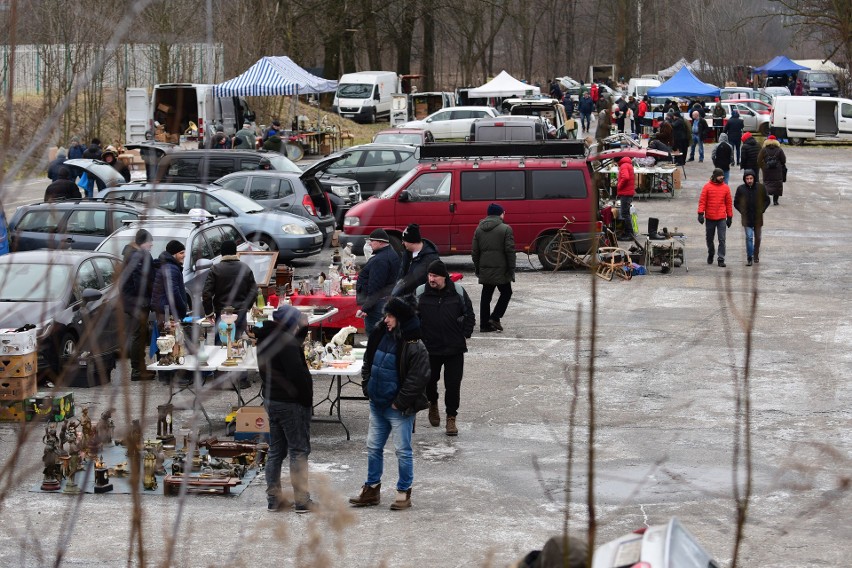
(294, 229)
(351, 221)
(340, 191)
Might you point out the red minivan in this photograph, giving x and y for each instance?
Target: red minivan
(449, 195)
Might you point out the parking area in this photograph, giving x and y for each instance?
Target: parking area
(665, 363)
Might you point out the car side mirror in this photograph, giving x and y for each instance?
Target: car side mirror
(203, 264)
(224, 211)
(428, 120)
(90, 295)
(404, 196)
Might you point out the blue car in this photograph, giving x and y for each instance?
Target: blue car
(4, 233)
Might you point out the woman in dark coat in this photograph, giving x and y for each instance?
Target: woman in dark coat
(748, 156)
(772, 161)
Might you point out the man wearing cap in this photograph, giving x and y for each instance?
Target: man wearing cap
(136, 283)
(169, 292)
(419, 254)
(716, 212)
(394, 377)
(376, 280)
(245, 138)
(110, 156)
(288, 398)
(447, 321)
(494, 264)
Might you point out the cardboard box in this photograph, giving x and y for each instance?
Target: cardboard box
(18, 388)
(53, 407)
(17, 342)
(12, 411)
(252, 419)
(164, 108)
(676, 177)
(18, 365)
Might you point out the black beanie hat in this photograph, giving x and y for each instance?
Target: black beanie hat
(438, 268)
(175, 247)
(411, 234)
(717, 173)
(399, 309)
(495, 209)
(143, 236)
(229, 248)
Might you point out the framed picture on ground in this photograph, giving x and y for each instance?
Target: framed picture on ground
(262, 264)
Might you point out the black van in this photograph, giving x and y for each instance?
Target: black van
(206, 166)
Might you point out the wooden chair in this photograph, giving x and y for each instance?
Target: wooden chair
(346, 138)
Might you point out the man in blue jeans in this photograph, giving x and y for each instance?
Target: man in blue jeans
(394, 378)
(288, 398)
(699, 133)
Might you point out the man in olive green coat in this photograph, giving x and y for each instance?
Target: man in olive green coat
(494, 264)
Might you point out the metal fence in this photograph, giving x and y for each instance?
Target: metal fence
(37, 67)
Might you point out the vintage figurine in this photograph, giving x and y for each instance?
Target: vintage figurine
(105, 428)
(50, 459)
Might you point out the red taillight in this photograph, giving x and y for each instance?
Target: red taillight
(499, 124)
(599, 226)
(309, 205)
(640, 530)
(200, 126)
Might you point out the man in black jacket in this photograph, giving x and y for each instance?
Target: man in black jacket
(750, 152)
(734, 129)
(447, 319)
(288, 398)
(63, 187)
(136, 283)
(376, 280)
(418, 255)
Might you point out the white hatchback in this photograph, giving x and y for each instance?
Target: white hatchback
(453, 122)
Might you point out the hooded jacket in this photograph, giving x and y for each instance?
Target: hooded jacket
(715, 201)
(413, 269)
(281, 360)
(447, 318)
(626, 178)
(748, 155)
(169, 290)
(723, 155)
(136, 281)
(772, 151)
(229, 283)
(734, 128)
(751, 201)
(494, 252)
(53, 167)
(62, 188)
(396, 367)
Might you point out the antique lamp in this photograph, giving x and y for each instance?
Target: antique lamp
(229, 319)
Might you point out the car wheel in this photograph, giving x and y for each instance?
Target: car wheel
(764, 129)
(549, 254)
(263, 243)
(68, 346)
(373, 117)
(797, 141)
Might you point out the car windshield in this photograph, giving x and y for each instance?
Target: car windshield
(34, 282)
(239, 201)
(118, 242)
(399, 138)
(354, 91)
(820, 77)
(282, 163)
(394, 187)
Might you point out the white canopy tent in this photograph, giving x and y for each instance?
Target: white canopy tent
(696, 66)
(504, 85)
(820, 65)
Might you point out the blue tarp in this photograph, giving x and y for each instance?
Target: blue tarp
(780, 65)
(684, 84)
(274, 76)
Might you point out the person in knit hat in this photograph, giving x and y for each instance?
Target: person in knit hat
(749, 153)
(376, 280)
(394, 376)
(494, 264)
(773, 162)
(418, 254)
(169, 292)
(447, 320)
(715, 212)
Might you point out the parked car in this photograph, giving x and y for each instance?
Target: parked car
(776, 92)
(407, 136)
(752, 120)
(69, 296)
(449, 122)
(73, 223)
(4, 233)
(575, 91)
(285, 191)
(202, 238)
(373, 166)
(292, 236)
(757, 106)
(818, 83)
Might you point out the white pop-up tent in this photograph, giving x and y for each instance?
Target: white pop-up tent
(504, 85)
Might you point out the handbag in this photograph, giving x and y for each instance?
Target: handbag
(784, 173)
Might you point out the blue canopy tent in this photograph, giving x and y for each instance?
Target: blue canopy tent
(780, 65)
(274, 76)
(684, 84)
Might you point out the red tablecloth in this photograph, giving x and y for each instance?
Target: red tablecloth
(345, 305)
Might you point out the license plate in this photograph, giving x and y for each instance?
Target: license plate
(317, 239)
(348, 115)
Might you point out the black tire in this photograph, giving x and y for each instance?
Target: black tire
(372, 118)
(263, 242)
(396, 243)
(764, 129)
(547, 254)
(67, 347)
(797, 141)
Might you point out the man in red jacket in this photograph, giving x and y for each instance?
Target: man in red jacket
(626, 189)
(715, 205)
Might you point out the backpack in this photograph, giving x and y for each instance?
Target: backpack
(771, 161)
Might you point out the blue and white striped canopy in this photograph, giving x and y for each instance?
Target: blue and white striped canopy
(274, 76)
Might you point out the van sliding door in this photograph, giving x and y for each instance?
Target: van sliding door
(846, 120)
(826, 118)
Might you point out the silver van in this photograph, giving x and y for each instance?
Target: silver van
(508, 129)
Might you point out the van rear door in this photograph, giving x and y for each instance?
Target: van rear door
(137, 107)
(801, 117)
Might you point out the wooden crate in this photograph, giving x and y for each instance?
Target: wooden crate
(12, 411)
(12, 366)
(18, 388)
(53, 407)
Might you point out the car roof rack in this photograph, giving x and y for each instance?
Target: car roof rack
(165, 219)
(536, 149)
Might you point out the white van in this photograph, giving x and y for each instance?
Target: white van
(179, 106)
(812, 118)
(639, 87)
(365, 96)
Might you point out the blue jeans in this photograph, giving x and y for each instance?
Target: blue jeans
(383, 423)
(585, 121)
(696, 141)
(727, 175)
(289, 430)
(737, 145)
(711, 229)
(752, 235)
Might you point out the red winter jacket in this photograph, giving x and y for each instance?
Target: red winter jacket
(715, 201)
(626, 178)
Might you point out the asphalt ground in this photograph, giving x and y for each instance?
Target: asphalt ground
(668, 355)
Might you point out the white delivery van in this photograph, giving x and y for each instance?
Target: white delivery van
(811, 118)
(177, 107)
(365, 96)
(639, 86)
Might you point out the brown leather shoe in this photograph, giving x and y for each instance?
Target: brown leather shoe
(403, 500)
(434, 415)
(369, 496)
(451, 426)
